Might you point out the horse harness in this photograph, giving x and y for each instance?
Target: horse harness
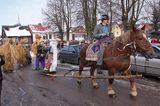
(132, 46)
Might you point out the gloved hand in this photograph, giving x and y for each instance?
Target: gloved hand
(100, 36)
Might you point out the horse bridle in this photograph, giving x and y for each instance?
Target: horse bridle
(131, 45)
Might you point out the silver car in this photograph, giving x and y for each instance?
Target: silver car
(147, 66)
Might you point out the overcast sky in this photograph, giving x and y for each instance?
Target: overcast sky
(29, 11)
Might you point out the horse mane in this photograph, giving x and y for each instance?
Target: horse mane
(124, 38)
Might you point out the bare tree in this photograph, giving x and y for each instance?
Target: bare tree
(67, 10)
(53, 16)
(58, 15)
(89, 12)
(154, 13)
(131, 10)
(128, 11)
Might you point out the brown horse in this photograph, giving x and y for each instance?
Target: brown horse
(117, 57)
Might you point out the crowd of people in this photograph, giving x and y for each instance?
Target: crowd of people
(15, 54)
(45, 55)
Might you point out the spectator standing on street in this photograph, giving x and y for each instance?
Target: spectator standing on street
(48, 56)
(54, 52)
(2, 62)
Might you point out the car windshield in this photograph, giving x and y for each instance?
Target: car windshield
(77, 48)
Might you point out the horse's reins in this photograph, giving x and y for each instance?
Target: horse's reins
(126, 45)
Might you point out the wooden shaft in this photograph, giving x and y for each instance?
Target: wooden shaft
(94, 77)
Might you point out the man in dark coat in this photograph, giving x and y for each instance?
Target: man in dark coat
(2, 62)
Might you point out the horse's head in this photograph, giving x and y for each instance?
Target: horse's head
(142, 44)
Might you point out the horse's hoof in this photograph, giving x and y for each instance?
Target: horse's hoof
(95, 85)
(79, 82)
(111, 92)
(113, 96)
(53, 78)
(133, 93)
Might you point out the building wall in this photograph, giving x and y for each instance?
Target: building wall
(78, 34)
(117, 30)
(17, 39)
(74, 36)
(45, 35)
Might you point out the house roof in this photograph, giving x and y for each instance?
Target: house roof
(79, 29)
(38, 28)
(148, 26)
(16, 31)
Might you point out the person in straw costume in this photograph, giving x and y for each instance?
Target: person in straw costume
(21, 60)
(37, 49)
(36, 43)
(9, 52)
(28, 55)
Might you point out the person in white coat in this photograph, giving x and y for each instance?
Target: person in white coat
(54, 61)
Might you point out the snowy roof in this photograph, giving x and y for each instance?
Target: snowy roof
(17, 32)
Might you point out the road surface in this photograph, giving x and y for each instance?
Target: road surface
(28, 88)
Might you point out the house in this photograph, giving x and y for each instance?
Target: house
(16, 33)
(42, 30)
(117, 29)
(148, 27)
(78, 34)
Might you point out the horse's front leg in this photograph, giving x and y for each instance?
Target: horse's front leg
(111, 92)
(93, 80)
(133, 91)
(80, 73)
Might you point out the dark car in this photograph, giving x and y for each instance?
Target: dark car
(70, 54)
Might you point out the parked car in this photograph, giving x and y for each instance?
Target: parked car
(70, 54)
(147, 66)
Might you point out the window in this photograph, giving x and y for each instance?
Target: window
(77, 48)
(50, 36)
(44, 37)
(71, 49)
(73, 36)
(157, 51)
(65, 48)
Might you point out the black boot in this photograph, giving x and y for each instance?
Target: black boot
(99, 69)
